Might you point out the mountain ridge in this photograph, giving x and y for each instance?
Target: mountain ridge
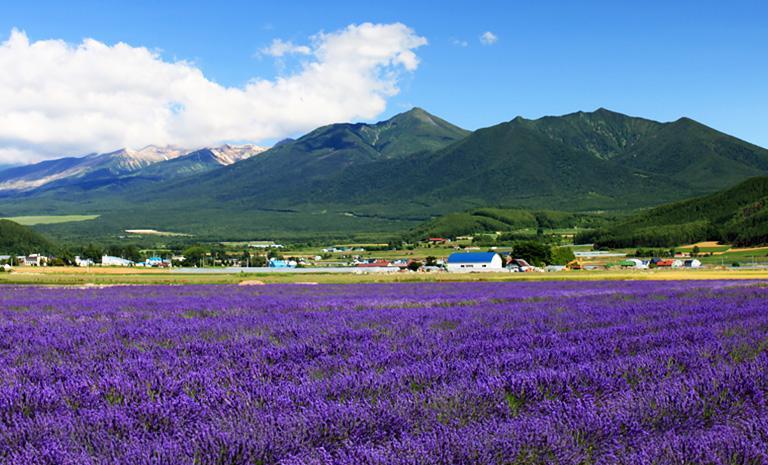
(387, 175)
(114, 166)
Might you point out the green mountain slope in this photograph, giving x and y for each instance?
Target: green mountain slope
(285, 173)
(684, 150)
(738, 215)
(18, 239)
(507, 164)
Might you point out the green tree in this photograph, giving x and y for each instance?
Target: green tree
(414, 266)
(259, 260)
(535, 253)
(132, 253)
(561, 255)
(92, 252)
(194, 255)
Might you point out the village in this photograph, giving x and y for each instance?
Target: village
(432, 255)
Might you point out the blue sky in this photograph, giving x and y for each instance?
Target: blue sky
(662, 60)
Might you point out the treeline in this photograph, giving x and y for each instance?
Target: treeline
(737, 216)
(622, 236)
(511, 222)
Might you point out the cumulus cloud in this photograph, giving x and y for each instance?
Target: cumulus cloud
(460, 43)
(58, 98)
(488, 38)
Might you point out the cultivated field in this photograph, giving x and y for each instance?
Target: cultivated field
(456, 373)
(49, 219)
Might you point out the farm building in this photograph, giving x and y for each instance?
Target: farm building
(274, 263)
(108, 260)
(475, 261)
(158, 262)
(693, 263)
(519, 264)
(34, 259)
(633, 263)
(437, 240)
(79, 261)
(374, 263)
(669, 263)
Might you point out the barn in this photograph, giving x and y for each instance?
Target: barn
(475, 261)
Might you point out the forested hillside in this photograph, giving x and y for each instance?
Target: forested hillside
(738, 215)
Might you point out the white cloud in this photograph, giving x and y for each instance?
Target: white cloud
(59, 99)
(460, 43)
(488, 38)
(279, 48)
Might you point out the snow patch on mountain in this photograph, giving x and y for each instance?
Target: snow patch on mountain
(118, 163)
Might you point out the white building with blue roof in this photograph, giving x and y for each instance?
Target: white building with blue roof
(475, 261)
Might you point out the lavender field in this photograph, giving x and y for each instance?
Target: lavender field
(460, 373)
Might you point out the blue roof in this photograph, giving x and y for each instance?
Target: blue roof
(471, 257)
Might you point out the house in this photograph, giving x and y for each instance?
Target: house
(79, 261)
(157, 262)
(34, 259)
(635, 263)
(519, 264)
(693, 263)
(437, 240)
(274, 263)
(475, 261)
(108, 260)
(669, 263)
(373, 264)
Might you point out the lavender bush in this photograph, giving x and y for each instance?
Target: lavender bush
(461, 373)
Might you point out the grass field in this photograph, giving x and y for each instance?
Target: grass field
(741, 256)
(49, 219)
(111, 276)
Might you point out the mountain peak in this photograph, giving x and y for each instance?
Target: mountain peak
(229, 154)
(418, 114)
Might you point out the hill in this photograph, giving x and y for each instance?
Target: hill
(738, 215)
(18, 239)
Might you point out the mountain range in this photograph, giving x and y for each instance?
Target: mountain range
(149, 162)
(388, 176)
